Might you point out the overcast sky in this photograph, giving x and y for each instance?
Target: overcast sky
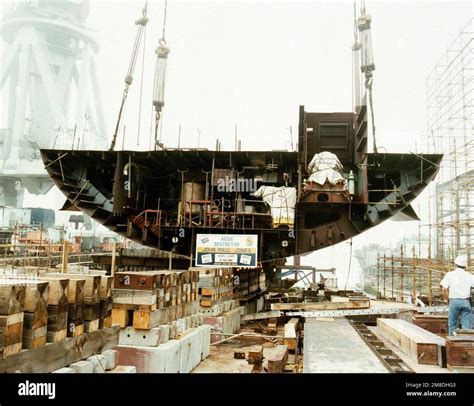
(251, 64)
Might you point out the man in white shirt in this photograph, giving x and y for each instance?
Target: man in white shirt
(457, 286)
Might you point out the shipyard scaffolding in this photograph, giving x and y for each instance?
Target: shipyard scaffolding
(413, 270)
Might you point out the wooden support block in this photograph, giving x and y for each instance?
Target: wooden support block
(239, 355)
(260, 316)
(60, 354)
(357, 304)
(434, 323)
(104, 323)
(92, 311)
(37, 319)
(460, 351)
(121, 317)
(106, 284)
(256, 356)
(144, 280)
(76, 291)
(11, 349)
(91, 325)
(91, 287)
(34, 338)
(76, 311)
(276, 362)
(420, 345)
(75, 330)
(57, 317)
(135, 297)
(12, 299)
(36, 295)
(58, 289)
(145, 320)
(291, 329)
(11, 329)
(55, 336)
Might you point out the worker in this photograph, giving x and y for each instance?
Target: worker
(457, 286)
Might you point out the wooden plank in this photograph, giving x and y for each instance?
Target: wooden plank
(276, 362)
(12, 299)
(58, 355)
(359, 304)
(291, 329)
(420, 345)
(261, 316)
(460, 351)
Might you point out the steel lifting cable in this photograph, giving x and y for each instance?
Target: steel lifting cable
(141, 87)
(141, 22)
(162, 52)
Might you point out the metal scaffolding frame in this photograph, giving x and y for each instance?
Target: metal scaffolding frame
(450, 111)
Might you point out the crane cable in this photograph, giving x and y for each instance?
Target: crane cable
(141, 22)
(367, 70)
(158, 113)
(141, 88)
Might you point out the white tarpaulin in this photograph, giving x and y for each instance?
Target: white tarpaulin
(325, 166)
(282, 202)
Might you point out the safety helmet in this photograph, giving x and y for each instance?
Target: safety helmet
(461, 260)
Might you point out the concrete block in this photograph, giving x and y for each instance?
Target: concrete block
(132, 336)
(111, 357)
(205, 331)
(99, 363)
(164, 333)
(123, 369)
(82, 367)
(64, 370)
(162, 359)
(191, 349)
(227, 323)
(180, 326)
